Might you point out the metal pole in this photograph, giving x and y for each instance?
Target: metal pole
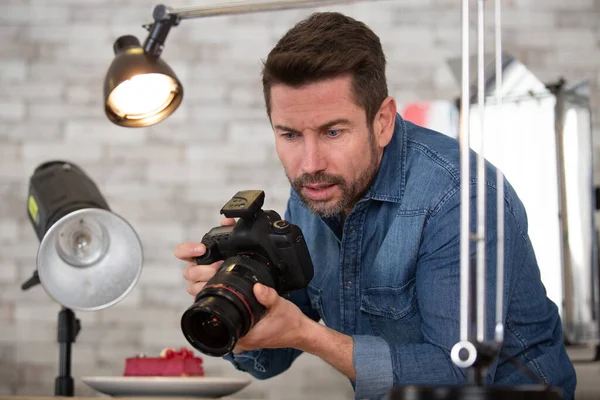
(246, 7)
(500, 183)
(481, 176)
(567, 271)
(465, 281)
(68, 328)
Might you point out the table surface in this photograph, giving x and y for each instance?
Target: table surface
(116, 398)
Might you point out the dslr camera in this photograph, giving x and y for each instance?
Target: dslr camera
(259, 248)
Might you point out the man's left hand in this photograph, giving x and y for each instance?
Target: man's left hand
(285, 325)
(281, 325)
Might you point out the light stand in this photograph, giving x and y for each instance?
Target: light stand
(68, 328)
(474, 352)
(88, 259)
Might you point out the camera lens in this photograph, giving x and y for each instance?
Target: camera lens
(212, 329)
(226, 309)
(212, 324)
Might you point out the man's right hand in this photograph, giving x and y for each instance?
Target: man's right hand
(198, 275)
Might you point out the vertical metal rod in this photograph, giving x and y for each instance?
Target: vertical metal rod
(480, 244)
(64, 365)
(500, 183)
(465, 280)
(563, 215)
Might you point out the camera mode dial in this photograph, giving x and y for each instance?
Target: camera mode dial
(281, 226)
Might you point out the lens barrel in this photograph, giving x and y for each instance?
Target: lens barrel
(226, 308)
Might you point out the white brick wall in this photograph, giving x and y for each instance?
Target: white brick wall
(170, 180)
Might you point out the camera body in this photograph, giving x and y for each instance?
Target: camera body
(263, 234)
(259, 248)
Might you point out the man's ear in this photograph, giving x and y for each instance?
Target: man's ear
(385, 120)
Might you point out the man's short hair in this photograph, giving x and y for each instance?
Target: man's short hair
(328, 45)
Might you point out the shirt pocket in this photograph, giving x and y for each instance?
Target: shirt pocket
(315, 295)
(392, 312)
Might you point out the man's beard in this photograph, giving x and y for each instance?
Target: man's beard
(351, 192)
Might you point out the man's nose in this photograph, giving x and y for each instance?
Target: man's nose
(313, 157)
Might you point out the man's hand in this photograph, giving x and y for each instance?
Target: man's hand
(285, 325)
(281, 326)
(198, 275)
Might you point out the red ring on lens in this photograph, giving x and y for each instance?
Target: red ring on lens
(220, 285)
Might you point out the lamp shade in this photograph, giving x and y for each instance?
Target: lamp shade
(139, 89)
(89, 258)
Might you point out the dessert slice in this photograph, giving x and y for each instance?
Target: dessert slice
(171, 362)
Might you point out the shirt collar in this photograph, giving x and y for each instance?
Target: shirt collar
(391, 177)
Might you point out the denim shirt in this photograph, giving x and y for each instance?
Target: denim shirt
(389, 277)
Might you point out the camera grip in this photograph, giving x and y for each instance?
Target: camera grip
(216, 243)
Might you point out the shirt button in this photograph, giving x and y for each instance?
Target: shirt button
(348, 284)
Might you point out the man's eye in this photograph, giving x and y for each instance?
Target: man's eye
(289, 135)
(334, 133)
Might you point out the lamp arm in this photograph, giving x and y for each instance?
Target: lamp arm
(166, 17)
(243, 7)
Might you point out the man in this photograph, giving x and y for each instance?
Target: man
(378, 200)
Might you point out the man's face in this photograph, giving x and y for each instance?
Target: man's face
(328, 150)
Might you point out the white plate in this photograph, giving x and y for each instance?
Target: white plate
(164, 386)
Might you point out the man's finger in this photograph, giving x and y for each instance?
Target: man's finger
(227, 221)
(187, 251)
(195, 288)
(265, 295)
(197, 273)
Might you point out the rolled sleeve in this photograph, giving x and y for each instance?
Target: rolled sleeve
(373, 365)
(250, 360)
(264, 363)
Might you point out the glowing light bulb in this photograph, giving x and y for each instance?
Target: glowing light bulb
(142, 96)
